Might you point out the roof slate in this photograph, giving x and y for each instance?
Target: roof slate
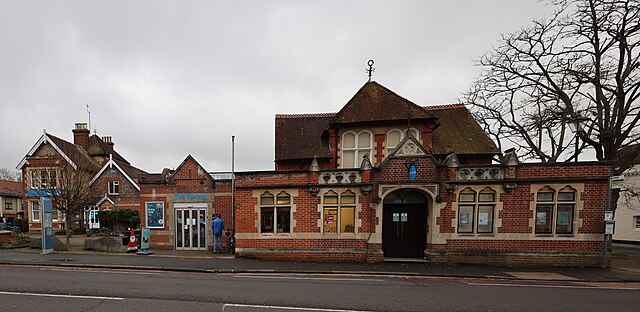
(11, 188)
(76, 153)
(459, 132)
(300, 136)
(374, 102)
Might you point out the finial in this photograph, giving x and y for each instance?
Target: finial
(44, 131)
(371, 69)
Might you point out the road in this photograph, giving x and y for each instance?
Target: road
(34, 288)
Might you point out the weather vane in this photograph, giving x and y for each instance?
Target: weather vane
(371, 69)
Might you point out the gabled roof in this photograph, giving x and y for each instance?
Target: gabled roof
(11, 188)
(97, 146)
(189, 157)
(374, 102)
(127, 170)
(459, 132)
(300, 136)
(409, 147)
(72, 153)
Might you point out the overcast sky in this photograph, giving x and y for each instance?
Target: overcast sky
(167, 79)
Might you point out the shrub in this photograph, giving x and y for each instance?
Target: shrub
(22, 224)
(119, 219)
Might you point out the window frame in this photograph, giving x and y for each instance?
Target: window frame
(357, 151)
(471, 203)
(403, 134)
(274, 209)
(553, 207)
(8, 206)
(112, 186)
(43, 178)
(33, 203)
(339, 206)
(636, 223)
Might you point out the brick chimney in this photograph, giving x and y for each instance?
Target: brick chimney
(81, 135)
(107, 139)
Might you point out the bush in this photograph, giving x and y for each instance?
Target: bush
(22, 224)
(119, 219)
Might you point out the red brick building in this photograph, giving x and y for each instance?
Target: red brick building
(382, 178)
(386, 178)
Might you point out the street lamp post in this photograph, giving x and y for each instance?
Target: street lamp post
(575, 124)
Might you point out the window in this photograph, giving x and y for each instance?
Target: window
(394, 136)
(475, 211)
(338, 212)
(275, 216)
(8, 206)
(43, 178)
(35, 210)
(354, 147)
(554, 211)
(636, 222)
(114, 187)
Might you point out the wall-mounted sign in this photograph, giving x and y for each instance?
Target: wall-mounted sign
(191, 196)
(403, 217)
(155, 214)
(396, 217)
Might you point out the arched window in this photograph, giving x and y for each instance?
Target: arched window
(354, 147)
(475, 211)
(338, 212)
(555, 210)
(394, 136)
(275, 216)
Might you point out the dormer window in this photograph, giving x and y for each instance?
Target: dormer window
(114, 187)
(354, 147)
(394, 136)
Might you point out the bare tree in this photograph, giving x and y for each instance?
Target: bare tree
(582, 61)
(71, 192)
(10, 175)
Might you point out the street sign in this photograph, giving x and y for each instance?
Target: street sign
(608, 216)
(608, 228)
(616, 182)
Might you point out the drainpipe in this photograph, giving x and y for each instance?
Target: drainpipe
(233, 195)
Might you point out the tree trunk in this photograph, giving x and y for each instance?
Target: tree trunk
(67, 225)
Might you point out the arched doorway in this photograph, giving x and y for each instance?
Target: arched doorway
(404, 224)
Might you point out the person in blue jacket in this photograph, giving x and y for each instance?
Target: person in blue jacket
(217, 226)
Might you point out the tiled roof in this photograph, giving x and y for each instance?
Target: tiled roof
(374, 102)
(76, 153)
(98, 147)
(11, 188)
(459, 132)
(300, 136)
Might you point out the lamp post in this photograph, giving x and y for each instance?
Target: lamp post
(575, 124)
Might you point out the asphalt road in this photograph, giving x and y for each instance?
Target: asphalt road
(68, 289)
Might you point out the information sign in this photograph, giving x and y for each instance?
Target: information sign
(47, 224)
(608, 228)
(617, 182)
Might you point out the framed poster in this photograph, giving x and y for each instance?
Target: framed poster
(464, 218)
(154, 214)
(541, 218)
(483, 218)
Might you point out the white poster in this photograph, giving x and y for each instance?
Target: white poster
(483, 218)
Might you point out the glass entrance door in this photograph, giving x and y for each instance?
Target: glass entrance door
(191, 228)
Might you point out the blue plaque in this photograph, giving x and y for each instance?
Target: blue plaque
(413, 172)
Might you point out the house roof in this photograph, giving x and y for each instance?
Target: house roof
(374, 102)
(11, 188)
(97, 146)
(300, 136)
(130, 172)
(74, 152)
(455, 119)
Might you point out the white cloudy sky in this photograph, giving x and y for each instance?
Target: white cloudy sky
(170, 78)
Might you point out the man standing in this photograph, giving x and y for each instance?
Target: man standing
(217, 226)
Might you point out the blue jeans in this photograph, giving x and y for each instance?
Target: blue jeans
(217, 243)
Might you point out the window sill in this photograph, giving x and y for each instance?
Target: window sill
(544, 235)
(466, 234)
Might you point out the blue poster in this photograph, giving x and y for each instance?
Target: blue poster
(155, 215)
(146, 234)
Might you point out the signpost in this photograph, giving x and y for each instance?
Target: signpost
(47, 225)
(615, 183)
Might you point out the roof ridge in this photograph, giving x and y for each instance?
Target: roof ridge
(305, 115)
(444, 106)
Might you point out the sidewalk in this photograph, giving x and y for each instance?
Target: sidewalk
(623, 269)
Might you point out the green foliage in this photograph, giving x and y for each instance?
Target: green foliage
(22, 224)
(119, 219)
(17, 240)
